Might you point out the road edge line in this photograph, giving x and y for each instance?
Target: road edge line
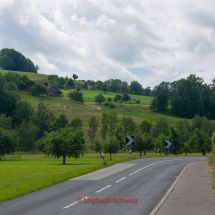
(157, 207)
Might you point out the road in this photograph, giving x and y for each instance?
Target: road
(133, 187)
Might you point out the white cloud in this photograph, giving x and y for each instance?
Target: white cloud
(107, 39)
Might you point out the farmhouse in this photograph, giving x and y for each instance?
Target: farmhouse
(52, 90)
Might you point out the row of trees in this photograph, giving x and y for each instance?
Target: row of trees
(187, 97)
(23, 128)
(185, 138)
(11, 59)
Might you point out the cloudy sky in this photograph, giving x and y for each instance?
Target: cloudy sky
(147, 41)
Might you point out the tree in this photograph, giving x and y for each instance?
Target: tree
(23, 111)
(93, 126)
(7, 142)
(38, 90)
(111, 146)
(75, 76)
(10, 86)
(104, 87)
(5, 122)
(160, 101)
(99, 98)
(175, 139)
(43, 119)
(200, 142)
(187, 100)
(60, 122)
(125, 97)
(64, 143)
(27, 132)
(8, 102)
(126, 126)
(76, 124)
(97, 147)
(161, 127)
(76, 96)
(11, 59)
(145, 126)
(142, 143)
(136, 88)
(117, 98)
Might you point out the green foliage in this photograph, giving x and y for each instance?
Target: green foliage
(75, 76)
(142, 142)
(8, 102)
(27, 132)
(10, 59)
(111, 105)
(125, 97)
(111, 146)
(126, 126)
(64, 143)
(93, 126)
(117, 98)
(97, 147)
(175, 139)
(76, 124)
(23, 111)
(136, 88)
(7, 142)
(99, 98)
(161, 127)
(76, 96)
(200, 142)
(160, 100)
(5, 122)
(159, 143)
(60, 122)
(38, 90)
(43, 119)
(10, 86)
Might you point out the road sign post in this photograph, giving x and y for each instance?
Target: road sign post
(103, 157)
(167, 144)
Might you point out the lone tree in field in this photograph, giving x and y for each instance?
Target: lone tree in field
(99, 98)
(64, 143)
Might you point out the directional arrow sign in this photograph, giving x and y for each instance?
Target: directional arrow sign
(129, 140)
(167, 144)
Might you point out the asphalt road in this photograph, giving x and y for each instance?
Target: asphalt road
(133, 187)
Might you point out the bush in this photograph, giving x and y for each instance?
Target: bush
(111, 105)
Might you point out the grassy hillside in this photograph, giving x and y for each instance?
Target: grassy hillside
(63, 105)
(30, 75)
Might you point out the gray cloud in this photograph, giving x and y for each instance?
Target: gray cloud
(111, 39)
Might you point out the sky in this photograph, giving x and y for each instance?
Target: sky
(147, 41)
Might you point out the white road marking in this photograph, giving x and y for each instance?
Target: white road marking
(152, 165)
(74, 203)
(120, 180)
(98, 191)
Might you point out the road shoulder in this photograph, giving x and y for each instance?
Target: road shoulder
(192, 193)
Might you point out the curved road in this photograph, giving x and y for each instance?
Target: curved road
(133, 187)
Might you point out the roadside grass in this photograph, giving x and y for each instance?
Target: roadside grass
(211, 162)
(25, 173)
(22, 174)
